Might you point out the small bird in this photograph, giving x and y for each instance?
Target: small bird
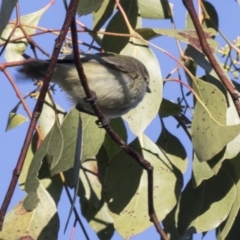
(119, 82)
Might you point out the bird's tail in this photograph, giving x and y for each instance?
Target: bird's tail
(35, 69)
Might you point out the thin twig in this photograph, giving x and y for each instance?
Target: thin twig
(143, 163)
(38, 108)
(74, 208)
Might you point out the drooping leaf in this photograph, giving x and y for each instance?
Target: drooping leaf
(169, 108)
(210, 122)
(173, 149)
(48, 115)
(92, 201)
(88, 6)
(142, 115)
(93, 137)
(103, 14)
(126, 187)
(207, 206)
(187, 36)
(5, 13)
(201, 171)
(69, 131)
(118, 25)
(213, 21)
(109, 145)
(14, 51)
(154, 9)
(41, 223)
(230, 228)
(76, 169)
(14, 120)
(51, 148)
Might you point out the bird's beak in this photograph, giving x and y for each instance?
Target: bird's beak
(148, 90)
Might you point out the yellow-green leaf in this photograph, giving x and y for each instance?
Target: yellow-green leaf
(88, 6)
(154, 9)
(42, 221)
(126, 188)
(142, 115)
(207, 206)
(14, 51)
(15, 120)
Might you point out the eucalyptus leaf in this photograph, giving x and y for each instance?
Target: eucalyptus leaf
(5, 13)
(109, 145)
(92, 201)
(14, 120)
(14, 51)
(213, 20)
(41, 223)
(88, 6)
(173, 149)
(142, 115)
(118, 25)
(69, 130)
(226, 230)
(48, 115)
(209, 122)
(154, 9)
(51, 148)
(103, 14)
(76, 169)
(201, 171)
(169, 108)
(207, 206)
(126, 187)
(187, 36)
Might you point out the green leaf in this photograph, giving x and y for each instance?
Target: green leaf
(187, 36)
(227, 229)
(213, 21)
(41, 223)
(154, 9)
(88, 6)
(169, 108)
(142, 115)
(92, 201)
(109, 145)
(14, 51)
(48, 115)
(69, 130)
(103, 14)
(15, 120)
(76, 169)
(118, 25)
(207, 206)
(126, 187)
(5, 13)
(93, 137)
(207, 130)
(173, 150)
(201, 171)
(51, 148)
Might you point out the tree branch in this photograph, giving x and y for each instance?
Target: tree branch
(141, 161)
(38, 108)
(207, 50)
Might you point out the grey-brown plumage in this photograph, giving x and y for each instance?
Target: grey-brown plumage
(120, 82)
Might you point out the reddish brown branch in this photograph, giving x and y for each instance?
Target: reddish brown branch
(145, 164)
(38, 108)
(207, 50)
